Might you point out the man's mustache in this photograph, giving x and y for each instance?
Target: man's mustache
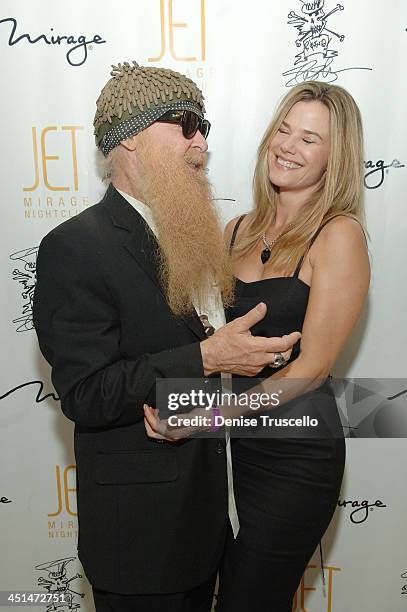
(196, 158)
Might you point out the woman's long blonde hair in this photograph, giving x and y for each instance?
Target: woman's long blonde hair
(341, 190)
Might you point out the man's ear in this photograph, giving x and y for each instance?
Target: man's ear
(129, 143)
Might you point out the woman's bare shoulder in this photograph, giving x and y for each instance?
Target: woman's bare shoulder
(341, 230)
(341, 240)
(230, 226)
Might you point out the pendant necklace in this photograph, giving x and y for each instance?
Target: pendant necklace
(268, 244)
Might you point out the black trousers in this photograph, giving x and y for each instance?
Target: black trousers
(286, 493)
(198, 599)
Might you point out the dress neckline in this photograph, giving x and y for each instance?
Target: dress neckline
(273, 278)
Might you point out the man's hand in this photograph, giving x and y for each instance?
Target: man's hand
(162, 430)
(233, 349)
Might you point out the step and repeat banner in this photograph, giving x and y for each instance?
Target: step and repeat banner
(54, 59)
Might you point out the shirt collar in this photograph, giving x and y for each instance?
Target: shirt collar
(142, 209)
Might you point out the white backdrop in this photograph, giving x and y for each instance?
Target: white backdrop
(243, 55)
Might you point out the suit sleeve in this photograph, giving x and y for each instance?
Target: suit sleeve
(78, 328)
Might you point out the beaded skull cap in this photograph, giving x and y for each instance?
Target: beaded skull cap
(136, 96)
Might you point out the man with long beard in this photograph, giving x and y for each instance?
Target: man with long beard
(119, 291)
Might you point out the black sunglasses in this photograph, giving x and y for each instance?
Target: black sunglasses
(189, 121)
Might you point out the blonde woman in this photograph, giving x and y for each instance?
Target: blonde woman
(303, 252)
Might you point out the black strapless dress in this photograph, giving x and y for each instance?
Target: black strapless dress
(286, 488)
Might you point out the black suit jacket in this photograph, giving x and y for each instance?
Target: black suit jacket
(152, 518)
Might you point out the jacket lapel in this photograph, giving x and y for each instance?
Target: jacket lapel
(141, 243)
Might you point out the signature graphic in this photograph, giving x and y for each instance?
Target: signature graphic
(224, 199)
(25, 275)
(314, 61)
(38, 398)
(372, 408)
(361, 509)
(393, 397)
(57, 583)
(79, 45)
(378, 171)
(5, 500)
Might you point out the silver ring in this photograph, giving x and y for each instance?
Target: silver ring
(278, 360)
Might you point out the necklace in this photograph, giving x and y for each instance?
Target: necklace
(266, 252)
